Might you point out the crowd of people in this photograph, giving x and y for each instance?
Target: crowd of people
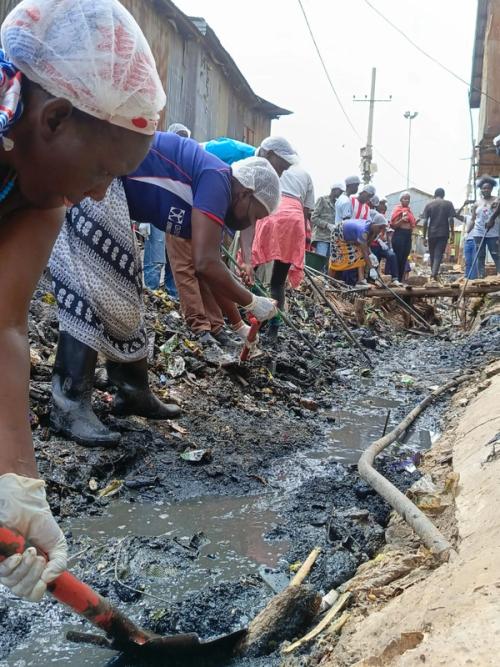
(81, 162)
(351, 228)
(364, 245)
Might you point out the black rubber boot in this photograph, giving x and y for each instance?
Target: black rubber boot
(72, 385)
(134, 397)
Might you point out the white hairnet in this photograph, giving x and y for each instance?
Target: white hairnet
(179, 127)
(92, 53)
(369, 189)
(257, 174)
(378, 219)
(281, 147)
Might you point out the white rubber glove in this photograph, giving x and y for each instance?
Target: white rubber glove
(262, 307)
(242, 330)
(373, 260)
(24, 507)
(373, 274)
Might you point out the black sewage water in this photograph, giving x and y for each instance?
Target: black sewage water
(226, 535)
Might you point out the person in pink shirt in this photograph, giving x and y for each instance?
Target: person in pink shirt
(402, 222)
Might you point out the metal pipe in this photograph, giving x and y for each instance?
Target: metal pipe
(282, 314)
(337, 314)
(409, 115)
(425, 529)
(339, 285)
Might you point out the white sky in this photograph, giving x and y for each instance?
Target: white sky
(269, 41)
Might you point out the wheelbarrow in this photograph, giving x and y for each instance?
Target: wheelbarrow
(137, 644)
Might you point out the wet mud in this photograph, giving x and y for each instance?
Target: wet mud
(183, 546)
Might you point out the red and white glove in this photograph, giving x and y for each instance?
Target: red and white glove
(262, 307)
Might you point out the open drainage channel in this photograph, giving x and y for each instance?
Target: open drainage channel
(226, 536)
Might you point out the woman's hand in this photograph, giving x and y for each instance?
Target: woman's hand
(24, 508)
(247, 274)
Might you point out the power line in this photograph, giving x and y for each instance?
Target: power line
(337, 97)
(339, 101)
(428, 55)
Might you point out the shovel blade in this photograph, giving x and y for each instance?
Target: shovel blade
(187, 649)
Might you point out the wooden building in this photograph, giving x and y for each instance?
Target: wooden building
(485, 84)
(205, 89)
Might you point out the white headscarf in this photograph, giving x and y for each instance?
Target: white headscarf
(179, 127)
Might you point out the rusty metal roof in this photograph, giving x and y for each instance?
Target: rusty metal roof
(478, 55)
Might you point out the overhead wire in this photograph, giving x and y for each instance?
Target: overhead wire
(327, 74)
(337, 96)
(456, 76)
(428, 55)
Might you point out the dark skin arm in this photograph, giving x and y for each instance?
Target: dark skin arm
(208, 265)
(494, 215)
(246, 242)
(26, 240)
(366, 252)
(472, 222)
(396, 221)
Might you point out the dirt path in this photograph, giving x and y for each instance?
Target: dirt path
(453, 617)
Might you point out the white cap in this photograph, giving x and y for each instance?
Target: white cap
(179, 127)
(369, 189)
(257, 174)
(281, 147)
(90, 52)
(339, 185)
(352, 180)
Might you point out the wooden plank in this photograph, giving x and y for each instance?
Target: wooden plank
(423, 292)
(324, 623)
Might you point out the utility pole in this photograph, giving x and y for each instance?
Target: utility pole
(409, 115)
(367, 151)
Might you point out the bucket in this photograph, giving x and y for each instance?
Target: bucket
(314, 261)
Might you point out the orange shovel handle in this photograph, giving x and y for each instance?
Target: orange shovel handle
(81, 598)
(252, 335)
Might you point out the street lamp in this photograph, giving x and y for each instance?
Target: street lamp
(409, 115)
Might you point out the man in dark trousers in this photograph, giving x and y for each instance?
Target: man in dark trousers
(438, 217)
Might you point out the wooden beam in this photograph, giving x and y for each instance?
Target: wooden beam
(429, 292)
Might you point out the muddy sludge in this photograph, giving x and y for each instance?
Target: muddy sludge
(277, 436)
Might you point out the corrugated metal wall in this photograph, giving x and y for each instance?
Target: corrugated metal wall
(199, 94)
